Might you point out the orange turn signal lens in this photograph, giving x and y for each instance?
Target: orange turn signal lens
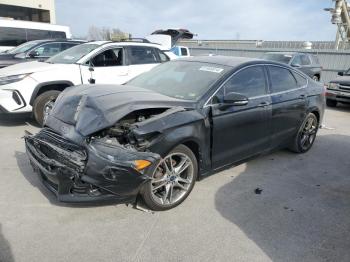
(141, 164)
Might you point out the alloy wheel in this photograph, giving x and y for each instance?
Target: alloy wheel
(308, 134)
(47, 109)
(172, 179)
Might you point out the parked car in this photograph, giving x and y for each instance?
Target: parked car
(338, 90)
(36, 50)
(15, 32)
(34, 86)
(156, 135)
(307, 63)
(181, 51)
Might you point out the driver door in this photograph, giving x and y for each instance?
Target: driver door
(241, 131)
(107, 67)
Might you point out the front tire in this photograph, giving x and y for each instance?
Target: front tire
(331, 103)
(316, 78)
(306, 135)
(172, 180)
(43, 105)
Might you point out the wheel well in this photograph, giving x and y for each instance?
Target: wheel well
(317, 114)
(53, 86)
(318, 75)
(194, 148)
(58, 87)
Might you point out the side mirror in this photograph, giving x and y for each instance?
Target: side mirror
(233, 99)
(295, 65)
(340, 73)
(33, 54)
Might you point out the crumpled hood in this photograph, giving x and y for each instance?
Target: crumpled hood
(27, 67)
(91, 108)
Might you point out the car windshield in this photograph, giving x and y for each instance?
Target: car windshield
(181, 79)
(282, 58)
(72, 55)
(22, 48)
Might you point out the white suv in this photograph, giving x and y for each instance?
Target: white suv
(34, 86)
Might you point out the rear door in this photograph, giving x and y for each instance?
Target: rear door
(241, 131)
(141, 59)
(107, 67)
(289, 103)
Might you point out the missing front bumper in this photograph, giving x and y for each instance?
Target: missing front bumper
(83, 173)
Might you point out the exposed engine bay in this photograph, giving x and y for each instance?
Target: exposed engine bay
(121, 133)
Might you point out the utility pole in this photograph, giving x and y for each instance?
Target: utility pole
(341, 18)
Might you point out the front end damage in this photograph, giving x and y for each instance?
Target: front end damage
(100, 170)
(102, 143)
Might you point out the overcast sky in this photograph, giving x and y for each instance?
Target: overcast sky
(225, 19)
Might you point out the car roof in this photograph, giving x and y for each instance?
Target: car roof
(124, 43)
(57, 40)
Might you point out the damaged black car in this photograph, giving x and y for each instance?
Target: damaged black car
(156, 135)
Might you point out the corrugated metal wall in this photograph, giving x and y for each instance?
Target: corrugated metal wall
(331, 60)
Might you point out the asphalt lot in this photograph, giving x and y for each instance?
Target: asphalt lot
(302, 214)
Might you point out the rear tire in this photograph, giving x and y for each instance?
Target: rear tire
(41, 104)
(170, 186)
(306, 135)
(331, 103)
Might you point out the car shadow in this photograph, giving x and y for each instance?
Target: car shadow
(294, 207)
(16, 120)
(5, 249)
(34, 180)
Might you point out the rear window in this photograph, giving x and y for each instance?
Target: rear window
(281, 79)
(301, 81)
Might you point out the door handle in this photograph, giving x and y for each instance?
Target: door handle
(302, 96)
(263, 104)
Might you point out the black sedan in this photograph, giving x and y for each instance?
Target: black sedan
(185, 119)
(36, 50)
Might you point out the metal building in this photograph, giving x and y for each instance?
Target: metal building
(29, 10)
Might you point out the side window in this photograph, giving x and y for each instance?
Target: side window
(301, 81)
(183, 51)
(249, 82)
(142, 55)
(12, 36)
(305, 60)
(281, 79)
(65, 46)
(58, 34)
(34, 34)
(110, 57)
(163, 57)
(48, 50)
(296, 60)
